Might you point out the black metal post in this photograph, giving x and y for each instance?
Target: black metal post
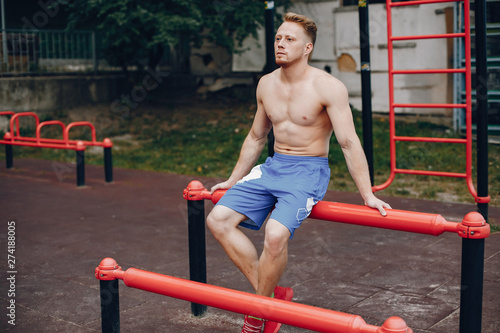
(481, 104)
(471, 291)
(108, 165)
(110, 306)
(269, 20)
(197, 250)
(8, 156)
(80, 168)
(366, 90)
(270, 60)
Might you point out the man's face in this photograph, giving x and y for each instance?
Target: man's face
(291, 44)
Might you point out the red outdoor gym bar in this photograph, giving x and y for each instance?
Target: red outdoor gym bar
(473, 225)
(473, 230)
(14, 138)
(295, 314)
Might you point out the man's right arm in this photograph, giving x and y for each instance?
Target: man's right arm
(252, 146)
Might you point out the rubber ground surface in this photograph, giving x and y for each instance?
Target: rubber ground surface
(63, 232)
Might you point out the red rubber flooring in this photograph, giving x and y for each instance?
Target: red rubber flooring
(140, 220)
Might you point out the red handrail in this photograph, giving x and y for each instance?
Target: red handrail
(79, 124)
(286, 312)
(14, 136)
(467, 106)
(46, 123)
(401, 220)
(15, 118)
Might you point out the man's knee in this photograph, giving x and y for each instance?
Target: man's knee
(276, 239)
(214, 222)
(221, 219)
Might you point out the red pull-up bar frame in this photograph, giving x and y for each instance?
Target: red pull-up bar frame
(468, 105)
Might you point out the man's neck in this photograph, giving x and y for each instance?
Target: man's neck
(295, 72)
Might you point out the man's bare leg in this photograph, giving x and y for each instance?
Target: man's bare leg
(223, 223)
(272, 262)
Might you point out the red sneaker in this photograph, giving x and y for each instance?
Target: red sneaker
(252, 325)
(282, 293)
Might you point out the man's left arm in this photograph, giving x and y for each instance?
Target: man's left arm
(337, 106)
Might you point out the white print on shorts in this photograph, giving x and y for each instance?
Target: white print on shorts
(256, 173)
(302, 213)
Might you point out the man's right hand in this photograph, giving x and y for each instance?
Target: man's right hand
(222, 186)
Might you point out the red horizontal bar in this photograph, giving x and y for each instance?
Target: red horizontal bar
(42, 140)
(450, 35)
(20, 140)
(428, 71)
(419, 2)
(38, 145)
(423, 223)
(435, 105)
(430, 224)
(431, 173)
(427, 139)
(289, 313)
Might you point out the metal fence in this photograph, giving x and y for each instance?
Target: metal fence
(47, 51)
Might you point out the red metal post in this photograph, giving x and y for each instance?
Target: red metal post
(295, 314)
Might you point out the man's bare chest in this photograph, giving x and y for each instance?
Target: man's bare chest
(299, 106)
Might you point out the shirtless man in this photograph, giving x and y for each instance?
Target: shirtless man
(304, 105)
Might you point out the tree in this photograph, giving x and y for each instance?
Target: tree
(134, 30)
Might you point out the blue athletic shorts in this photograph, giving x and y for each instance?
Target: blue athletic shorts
(291, 184)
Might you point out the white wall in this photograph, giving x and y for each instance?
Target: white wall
(337, 46)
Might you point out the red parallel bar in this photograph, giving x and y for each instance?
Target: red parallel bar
(418, 2)
(59, 141)
(423, 223)
(428, 139)
(38, 139)
(430, 105)
(41, 145)
(88, 143)
(431, 173)
(428, 71)
(289, 313)
(449, 35)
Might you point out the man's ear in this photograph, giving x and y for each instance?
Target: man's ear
(309, 48)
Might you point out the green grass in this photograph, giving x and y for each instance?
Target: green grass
(203, 138)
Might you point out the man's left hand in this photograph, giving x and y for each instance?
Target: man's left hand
(376, 203)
